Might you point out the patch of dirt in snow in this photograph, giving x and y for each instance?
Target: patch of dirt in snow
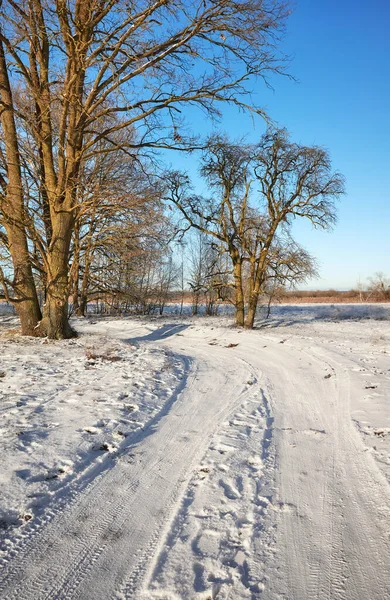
(223, 533)
(68, 409)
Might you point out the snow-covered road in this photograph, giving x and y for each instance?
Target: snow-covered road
(253, 480)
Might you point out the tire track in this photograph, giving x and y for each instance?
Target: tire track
(249, 435)
(341, 549)
(326, 515)
(120, 516)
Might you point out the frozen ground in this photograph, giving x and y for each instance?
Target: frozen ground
(185, 459)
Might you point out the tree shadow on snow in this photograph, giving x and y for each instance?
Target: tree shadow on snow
(159, 334)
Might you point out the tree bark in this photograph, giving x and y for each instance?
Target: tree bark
(252, 308)
(75, 294)
(239, 294)
(55, 321)
(75, 269)
(253, 293)
(83, 302)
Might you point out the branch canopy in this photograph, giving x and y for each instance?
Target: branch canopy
(130, 62)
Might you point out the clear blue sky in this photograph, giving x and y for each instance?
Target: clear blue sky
(341, 58)
(342, 101)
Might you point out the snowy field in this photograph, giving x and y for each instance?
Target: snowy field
(181, 458)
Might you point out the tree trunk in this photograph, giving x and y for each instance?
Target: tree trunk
(75, 270)
(13, 211)
(75, 299)
(253, 294)
(239, 294)
(83, 299)
(55, 322)
(83, 302)
(82, 308)
(252, 308)
(29, 315)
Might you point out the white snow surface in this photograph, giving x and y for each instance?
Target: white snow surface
(182, 458)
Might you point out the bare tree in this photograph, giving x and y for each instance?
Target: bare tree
(294, 181)
(209, 278)
(257, 192)
(218, 215)
(75, 73)
(119, 206)
(378, 287)
(128, 258)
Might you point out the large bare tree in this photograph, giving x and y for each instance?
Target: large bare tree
(73, 73)
(256, 192)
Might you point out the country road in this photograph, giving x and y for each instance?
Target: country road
(252, 482)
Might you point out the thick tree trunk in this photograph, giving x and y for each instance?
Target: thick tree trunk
(251, 312)
(29, 315)
(55, 321)
(12, 209)
(239, 294)
(253, 294)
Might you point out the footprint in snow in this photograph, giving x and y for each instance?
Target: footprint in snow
(230, 490)
(91, 430)
(313, 431)
(206, 543)
(285, 507)
(255, 463)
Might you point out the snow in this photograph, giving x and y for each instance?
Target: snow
(64, 407)
(182, 458)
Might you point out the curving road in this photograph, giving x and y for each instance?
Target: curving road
(330, 534)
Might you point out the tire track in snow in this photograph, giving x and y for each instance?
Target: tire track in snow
(340, 551)
(69, 494)
(328, 515)
(86, 499)
(358, 569)
(72, 557)
(223, 524)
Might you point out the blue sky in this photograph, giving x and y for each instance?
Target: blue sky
(342, 61)
(341, 58)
